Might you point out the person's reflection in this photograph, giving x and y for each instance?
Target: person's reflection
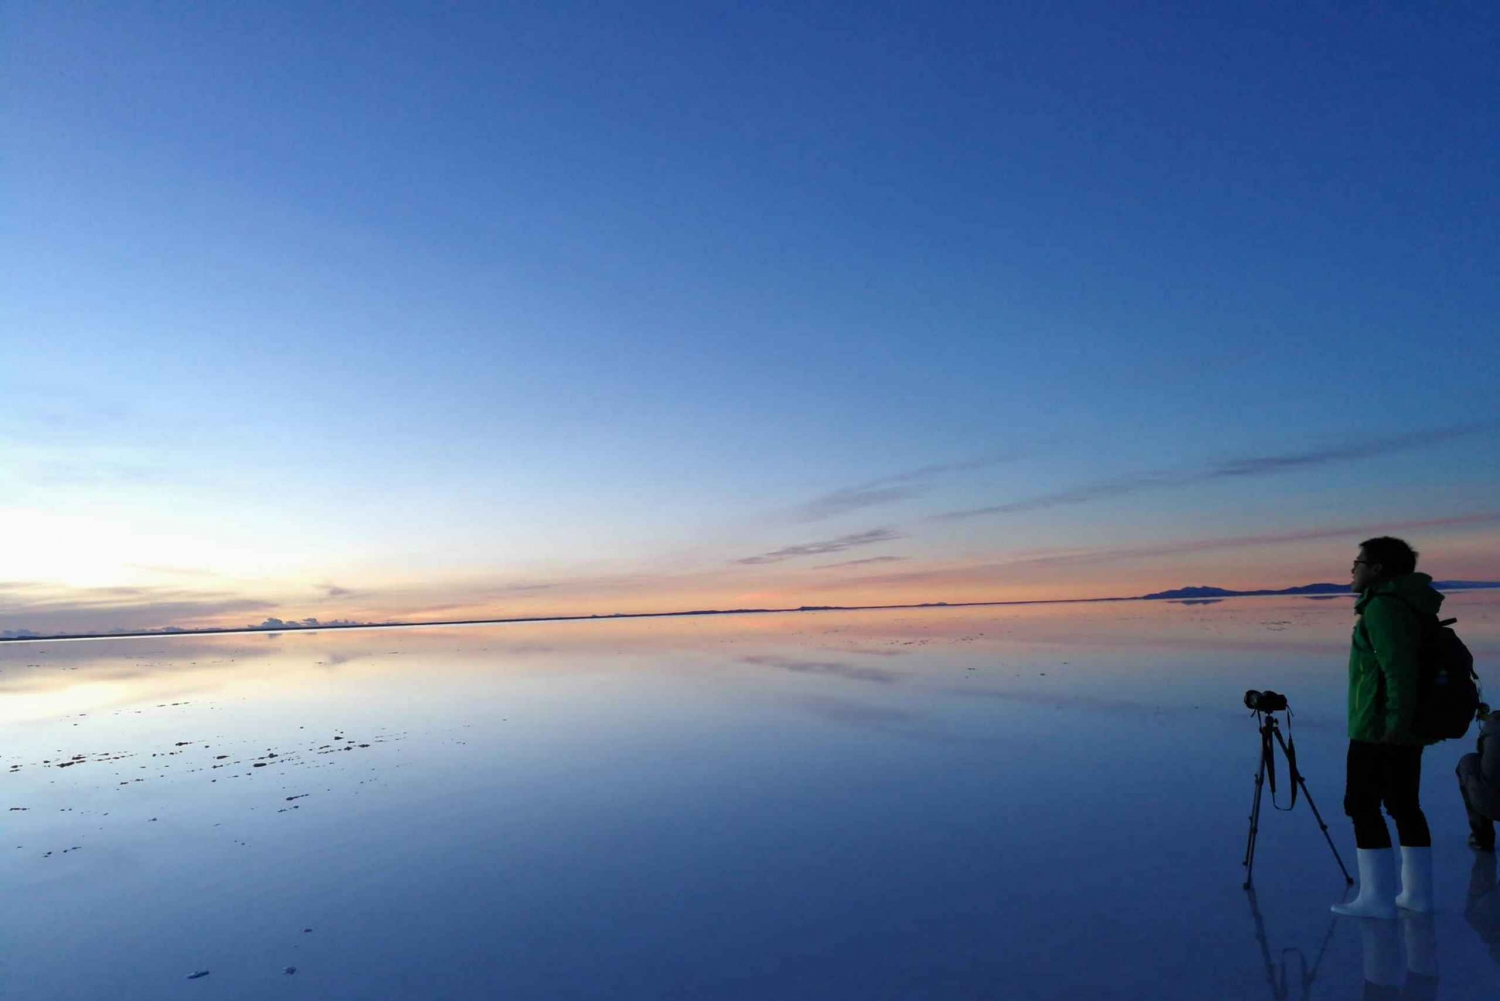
(1420, 932)
(1380, 947)
(1386, 977)
(1482, 906)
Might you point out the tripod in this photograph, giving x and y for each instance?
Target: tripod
(1268, 731)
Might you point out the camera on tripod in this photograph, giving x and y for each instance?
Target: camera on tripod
(1265, 702)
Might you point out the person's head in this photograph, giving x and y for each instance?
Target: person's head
(1379, 560)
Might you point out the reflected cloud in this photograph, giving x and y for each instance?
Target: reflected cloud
(857, 713)
(1068, 700)
(826, 667)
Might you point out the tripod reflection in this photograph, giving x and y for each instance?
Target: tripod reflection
(1277, 972)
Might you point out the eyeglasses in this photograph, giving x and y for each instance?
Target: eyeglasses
(1365, 562)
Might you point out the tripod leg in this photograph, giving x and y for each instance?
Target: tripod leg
(1348, 880)
(1249, 862)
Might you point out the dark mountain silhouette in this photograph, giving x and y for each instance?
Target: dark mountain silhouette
(1201, 592)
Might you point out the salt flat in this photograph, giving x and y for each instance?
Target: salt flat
(1042, 801)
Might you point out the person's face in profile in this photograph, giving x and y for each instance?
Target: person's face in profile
(1363, 573)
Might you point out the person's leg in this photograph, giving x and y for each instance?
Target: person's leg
(1402, 788)
(1401, 782)
(1363, 768)
(1377, 865)
(1481, 827)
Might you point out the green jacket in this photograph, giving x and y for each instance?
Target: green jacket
(1383, 658)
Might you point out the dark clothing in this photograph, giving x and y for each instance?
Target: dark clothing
(1390, 774)
(1479, 783)
(1481, 823)
(1383, 668)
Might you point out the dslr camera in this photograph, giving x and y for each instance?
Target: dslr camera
(1265, 702)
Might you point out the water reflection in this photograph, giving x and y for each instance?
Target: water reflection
(1380, 950)
(1482, 904)
(1038, 802)
(1387, 975)
(1419, 933)
(1279, 970)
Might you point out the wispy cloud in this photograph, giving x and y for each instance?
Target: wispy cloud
(48, 609)
(1267, 464)
(992, 571)
(1231, 468)
(172, 571)
(835, 545)
(334, 591)
(1115, 553)
(870, 561)
(61, 412)
(887, 489)
(826, 667)
(849, 499)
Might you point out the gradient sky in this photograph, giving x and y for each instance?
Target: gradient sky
(387, 311)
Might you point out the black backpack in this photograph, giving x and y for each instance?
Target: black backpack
(1447, 687)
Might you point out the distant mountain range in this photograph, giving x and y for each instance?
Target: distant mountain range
(1224, 592)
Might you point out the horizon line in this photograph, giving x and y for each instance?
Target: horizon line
(291, 628)
(232, 630)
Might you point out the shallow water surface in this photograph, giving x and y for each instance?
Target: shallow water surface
(1044, 801)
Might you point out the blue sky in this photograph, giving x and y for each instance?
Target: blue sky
(505, 309)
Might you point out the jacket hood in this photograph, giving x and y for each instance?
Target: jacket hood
(1415, 588)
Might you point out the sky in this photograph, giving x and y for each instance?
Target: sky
(423, 311)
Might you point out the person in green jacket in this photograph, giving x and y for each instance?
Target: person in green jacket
(1384, 765)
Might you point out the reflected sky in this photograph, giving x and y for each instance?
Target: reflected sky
(1041, 801)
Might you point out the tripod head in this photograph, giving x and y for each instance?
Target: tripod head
(1268, 723)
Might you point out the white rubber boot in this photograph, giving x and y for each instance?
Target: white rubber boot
(1416, 880)
(1377, 886)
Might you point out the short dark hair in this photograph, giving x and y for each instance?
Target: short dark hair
(1394, 555)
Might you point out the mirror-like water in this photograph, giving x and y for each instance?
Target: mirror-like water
(1041, 801)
